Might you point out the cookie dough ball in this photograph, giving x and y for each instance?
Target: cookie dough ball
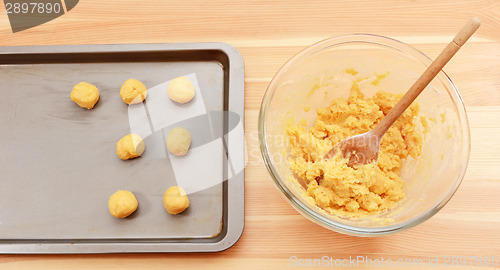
(178, 141)
(175, 200)
(85, 95)
(122, 204)
(130, 146)
(180, 90)
(133, 91)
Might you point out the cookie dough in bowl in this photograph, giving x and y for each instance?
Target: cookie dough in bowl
(366, 189)
(344, 86)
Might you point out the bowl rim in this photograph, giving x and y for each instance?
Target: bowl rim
(329, 223)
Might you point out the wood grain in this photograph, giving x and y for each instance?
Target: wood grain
(267, 33)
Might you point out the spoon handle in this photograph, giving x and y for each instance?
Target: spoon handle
(427, 76)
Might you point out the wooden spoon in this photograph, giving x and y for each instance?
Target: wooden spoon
(363, 148)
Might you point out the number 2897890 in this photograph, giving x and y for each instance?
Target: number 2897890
(33, 8)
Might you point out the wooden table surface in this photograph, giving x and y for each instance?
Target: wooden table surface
(267, 33)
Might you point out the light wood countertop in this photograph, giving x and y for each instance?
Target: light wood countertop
(268, 33)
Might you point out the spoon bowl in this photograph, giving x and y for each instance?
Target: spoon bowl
(359, 149)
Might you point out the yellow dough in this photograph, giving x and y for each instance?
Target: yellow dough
(122, 204)
(367, 189)
(133, 91)
(178, 141)
(175, 200)
(180, 90)
(130, 146)
(85, 95)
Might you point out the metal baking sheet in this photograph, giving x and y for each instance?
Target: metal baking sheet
(59, 163)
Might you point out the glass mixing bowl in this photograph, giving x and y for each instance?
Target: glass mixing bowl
(315, 76)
